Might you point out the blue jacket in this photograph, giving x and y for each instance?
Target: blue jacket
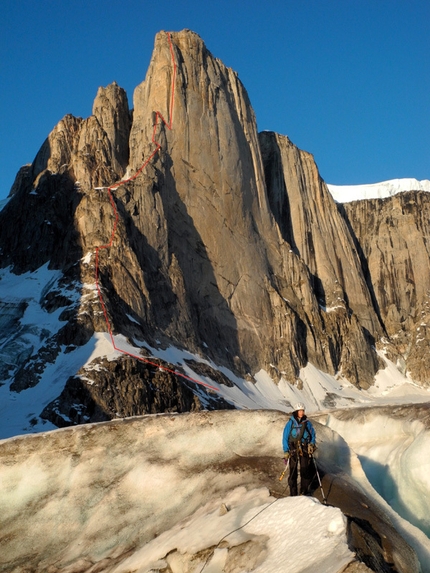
(292, 430)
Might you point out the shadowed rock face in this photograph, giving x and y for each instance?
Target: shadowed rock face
(228, 243)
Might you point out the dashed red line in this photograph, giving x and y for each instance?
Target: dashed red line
(158, 117)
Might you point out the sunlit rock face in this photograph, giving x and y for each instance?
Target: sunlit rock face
(128, 496)
(314, 230)
(227, 244)
(199, 255)
(393, 235)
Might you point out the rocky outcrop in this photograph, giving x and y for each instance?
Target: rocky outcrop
(94, 151)
(123, 388)
(110, 108)
(77, 156)
(37, 224)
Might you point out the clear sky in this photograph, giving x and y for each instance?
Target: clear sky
(347, 80)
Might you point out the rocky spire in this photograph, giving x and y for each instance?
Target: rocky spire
(111, 110)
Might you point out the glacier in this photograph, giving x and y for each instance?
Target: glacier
(193, 492)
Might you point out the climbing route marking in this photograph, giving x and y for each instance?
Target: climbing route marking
(158, 117)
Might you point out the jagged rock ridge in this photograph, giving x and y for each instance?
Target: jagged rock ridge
(228, 243)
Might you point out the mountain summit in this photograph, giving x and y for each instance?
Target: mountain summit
(178, 225)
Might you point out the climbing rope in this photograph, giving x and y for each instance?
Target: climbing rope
(242, 526)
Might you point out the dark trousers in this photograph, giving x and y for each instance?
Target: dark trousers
(306, 472)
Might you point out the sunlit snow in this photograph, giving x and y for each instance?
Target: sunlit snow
(393, 453)
(160, 489)
(140, 494)
(269, 524)
(347, 193)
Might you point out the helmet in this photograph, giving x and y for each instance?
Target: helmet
(299, 406)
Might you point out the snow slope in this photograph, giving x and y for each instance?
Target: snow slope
(26, 326)
(145, 492)
(347, 193)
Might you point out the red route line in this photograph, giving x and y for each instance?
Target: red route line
(158, 116)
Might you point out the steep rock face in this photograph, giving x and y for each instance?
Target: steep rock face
(110, 108)
(393, 235)
(225, 243)
(211, 240)
(203, 206)
(310, 223)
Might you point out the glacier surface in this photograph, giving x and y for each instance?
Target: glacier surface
(164, 490)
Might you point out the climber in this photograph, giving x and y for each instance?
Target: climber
(299, 444)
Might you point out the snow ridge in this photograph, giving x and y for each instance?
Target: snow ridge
(347, 193)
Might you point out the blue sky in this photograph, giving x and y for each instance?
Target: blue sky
(347, 80)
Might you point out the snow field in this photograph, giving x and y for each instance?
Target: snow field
(148, 490)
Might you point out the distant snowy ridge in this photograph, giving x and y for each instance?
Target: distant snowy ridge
(347, 193)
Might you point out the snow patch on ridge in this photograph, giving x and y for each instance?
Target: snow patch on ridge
(206, 527)
(347, 193)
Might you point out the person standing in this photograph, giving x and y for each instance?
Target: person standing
(298, 441)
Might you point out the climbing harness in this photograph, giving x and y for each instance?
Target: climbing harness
(297, 441)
